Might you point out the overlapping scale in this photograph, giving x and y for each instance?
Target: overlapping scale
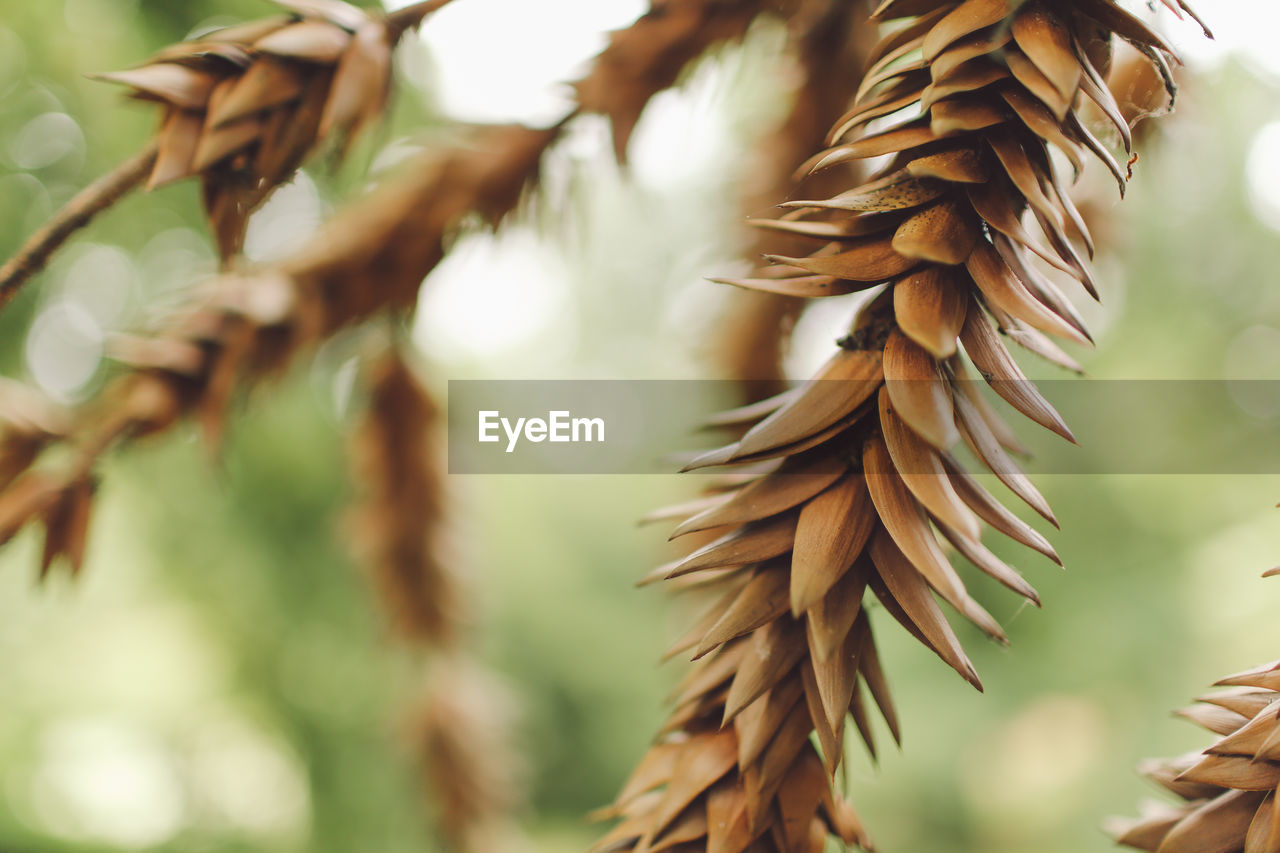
(1228, 792)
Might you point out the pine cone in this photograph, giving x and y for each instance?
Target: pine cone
(463, 731)
(243, 106)
(1229, 790)
(857, 465)
(399, 526)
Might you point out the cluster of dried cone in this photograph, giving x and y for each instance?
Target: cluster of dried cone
(371, 258)
(459, 725)
(846, 482)
(1229, 790)
(241, 109)
(842, 483)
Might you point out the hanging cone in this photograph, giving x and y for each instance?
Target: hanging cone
(961, 217)
(398, 527)
(462, 730)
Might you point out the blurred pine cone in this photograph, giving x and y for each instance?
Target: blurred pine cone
(851, 475)
(399, 526)
(243, 106)
(463, 730)
(1228, 791)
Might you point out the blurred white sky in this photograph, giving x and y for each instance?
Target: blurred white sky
(501, 60)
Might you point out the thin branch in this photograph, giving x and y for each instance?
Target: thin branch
(75, 215)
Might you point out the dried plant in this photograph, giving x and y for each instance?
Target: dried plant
(1229, 791)
(399, 526)
(371, 257)
(649, 55)
(843, 484)
(242, 108)
(462, 727)
(460, 724)
(858, 472)
(247, 328)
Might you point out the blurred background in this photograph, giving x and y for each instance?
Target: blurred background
(220, 679)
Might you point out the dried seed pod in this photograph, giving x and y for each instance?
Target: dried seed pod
(973, 94)
(399, 525)
(462, 731)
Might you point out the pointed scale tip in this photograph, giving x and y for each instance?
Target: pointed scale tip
(658, 574)
(718, 456)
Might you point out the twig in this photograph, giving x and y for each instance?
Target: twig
(75, 215)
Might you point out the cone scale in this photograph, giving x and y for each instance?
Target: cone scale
(1228, 792)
